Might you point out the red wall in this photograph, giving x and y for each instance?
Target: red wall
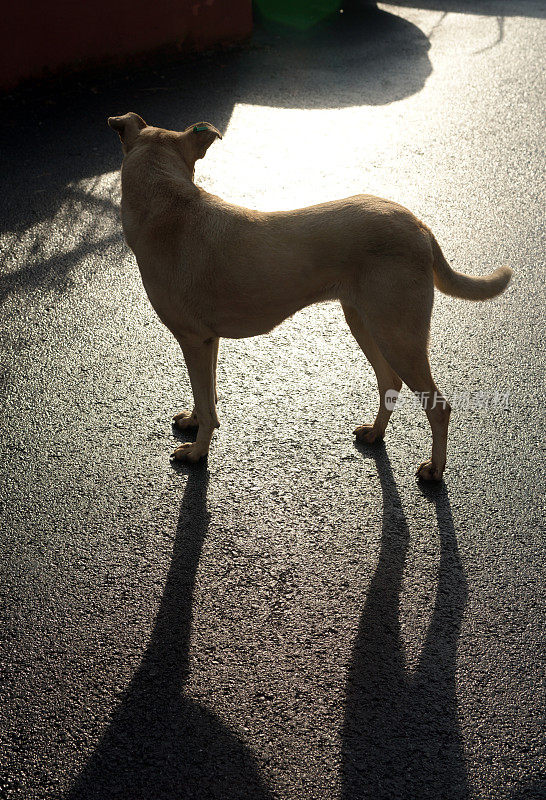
(40, 35)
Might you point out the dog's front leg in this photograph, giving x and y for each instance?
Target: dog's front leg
(188, 419)
(201, 363)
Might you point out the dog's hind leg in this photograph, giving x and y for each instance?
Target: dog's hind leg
(387, 379)
(397, 315)
(405, 349)
(201, 363)
(414, 370)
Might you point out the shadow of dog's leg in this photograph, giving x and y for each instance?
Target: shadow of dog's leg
(387, 379)
(201, 363)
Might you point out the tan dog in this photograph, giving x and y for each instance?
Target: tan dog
(213, 269)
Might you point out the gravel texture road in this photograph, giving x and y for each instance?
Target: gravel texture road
(297, 618)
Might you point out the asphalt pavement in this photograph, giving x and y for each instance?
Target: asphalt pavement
(296, 618)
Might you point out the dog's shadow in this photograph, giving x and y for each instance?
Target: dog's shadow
(161, 743)
(401, 736)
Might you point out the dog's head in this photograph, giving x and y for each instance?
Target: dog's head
(191, 143)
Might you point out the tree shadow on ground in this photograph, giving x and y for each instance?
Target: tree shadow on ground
(55, 133)
(161, 744)
(401, 737)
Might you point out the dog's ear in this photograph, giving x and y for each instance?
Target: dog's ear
(197, 140)
(128, 127)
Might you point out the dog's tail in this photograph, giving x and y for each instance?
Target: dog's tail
(448, 281)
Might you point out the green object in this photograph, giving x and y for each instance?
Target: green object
(300, 14)
(197, 128)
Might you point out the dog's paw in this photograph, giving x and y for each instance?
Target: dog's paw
(184, 420)
(428, 472)
(189, 451)
(367, 434)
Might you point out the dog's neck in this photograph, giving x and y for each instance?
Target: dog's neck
(166, 174)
